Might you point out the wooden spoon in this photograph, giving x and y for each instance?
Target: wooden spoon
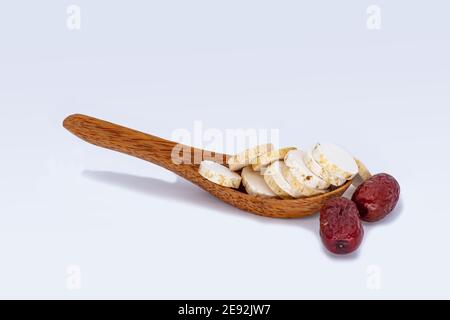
(159, 151)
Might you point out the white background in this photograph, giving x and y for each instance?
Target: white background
(309, 68)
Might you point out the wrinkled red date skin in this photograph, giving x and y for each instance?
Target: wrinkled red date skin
(377, 197)
(340, 227)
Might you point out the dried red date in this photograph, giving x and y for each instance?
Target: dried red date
(377, 197)
(340, 228)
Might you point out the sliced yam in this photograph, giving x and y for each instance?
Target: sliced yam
(295, 161)
(277, 182)
(315, 168)
(267, 158)
(299, 188)
(248, 157)
(335, 160)
(270, 181)
(254, 183)
(262, 170)
(219, 174)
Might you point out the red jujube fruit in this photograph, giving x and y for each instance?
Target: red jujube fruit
(377, 197)
(340, 228)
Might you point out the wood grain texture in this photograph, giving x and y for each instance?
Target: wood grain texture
(159, 151)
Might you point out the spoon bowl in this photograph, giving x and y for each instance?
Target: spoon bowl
(160, 152)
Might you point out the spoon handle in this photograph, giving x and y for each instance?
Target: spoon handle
(137, 144)
(114, 137)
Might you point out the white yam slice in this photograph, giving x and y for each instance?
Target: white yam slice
(254, 183)
(294, 160)
(270, 181)
(219, 174)
(335, 160)
(321, 172)
(248, 157)
(299, 188)
(269, 157)
(262, 170)
(277, 182)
